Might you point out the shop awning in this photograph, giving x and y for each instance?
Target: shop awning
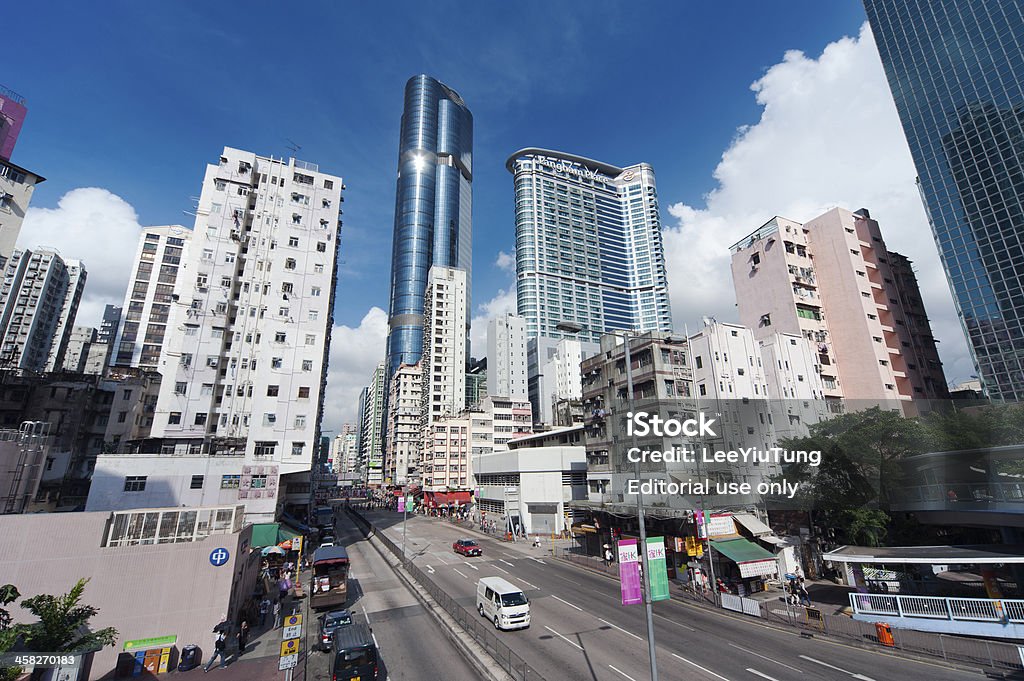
(264, 534)
(752, 560)
(753, 525)
(287, 533)
(447, 498)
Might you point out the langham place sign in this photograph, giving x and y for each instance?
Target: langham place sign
(568, 167)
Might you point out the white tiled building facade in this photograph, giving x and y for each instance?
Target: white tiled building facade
(143, 328)
(373, 424)
(506, 356)
(244, 369)
(404, 416)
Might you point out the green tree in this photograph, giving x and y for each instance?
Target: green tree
(8, 634)
(63, 625)
(865, 526)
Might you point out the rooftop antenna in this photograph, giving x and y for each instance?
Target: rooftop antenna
(292, 146)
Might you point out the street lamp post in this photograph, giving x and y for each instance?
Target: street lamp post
(571, 327)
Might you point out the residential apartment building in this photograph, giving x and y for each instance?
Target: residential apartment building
(142, 331)
(405, 399)
(443, 361)
(239, 410)
(39, 301)
(830, 281)
(956, 71)
(455, 440)
(16, 183)
(372, 446)
(85, 354)
(433, 210)
(554, 380)
(476, 381)
(506, 356)
(588, 245)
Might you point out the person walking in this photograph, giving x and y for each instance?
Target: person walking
(805, 596)
(243, 637)
(277, 614)
(219, 645)
(607, 555)
(264, 609)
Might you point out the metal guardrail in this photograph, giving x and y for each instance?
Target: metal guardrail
(937, 607)
(468, 621)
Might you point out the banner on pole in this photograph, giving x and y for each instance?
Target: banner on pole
(401, 504)
(629, 571)
(657, 581)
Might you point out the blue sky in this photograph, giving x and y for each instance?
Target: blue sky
(135, 99)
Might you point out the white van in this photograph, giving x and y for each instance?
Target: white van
(502, 602)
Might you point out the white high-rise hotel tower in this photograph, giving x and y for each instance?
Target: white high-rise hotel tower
(588, 245)
(245, 359)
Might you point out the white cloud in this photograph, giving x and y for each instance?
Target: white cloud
(355, 352)
(506, 261)
(828, 136)
(97, 227)
(503, 302)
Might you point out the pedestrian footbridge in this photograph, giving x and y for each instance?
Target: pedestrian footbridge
(989, 617)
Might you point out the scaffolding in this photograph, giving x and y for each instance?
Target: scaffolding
(26, 471)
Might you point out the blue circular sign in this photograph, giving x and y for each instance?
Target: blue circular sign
(219, 556)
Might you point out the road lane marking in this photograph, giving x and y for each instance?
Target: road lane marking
(459, 573)
(470, 565)
(763, 676)
(506, 562)
(567, 603)
(838, 669)
(638, 638)
(678, 624)
(528, 584)
(623, 673)
(765, 657)
(429, 569)
(367, 616)
(538, 560)
(499, 569)
(704, 669)
(563, 637)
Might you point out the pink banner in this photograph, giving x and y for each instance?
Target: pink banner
(401, 504)
(629, 571)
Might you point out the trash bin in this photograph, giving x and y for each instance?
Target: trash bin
(191, 657)
(884, 633)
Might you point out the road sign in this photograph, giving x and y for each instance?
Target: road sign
(296, 543)
(288, 662)
(291, 621)
(219, 556)
(292, 632)
(290, 647)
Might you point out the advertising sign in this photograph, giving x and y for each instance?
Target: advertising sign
(657, 580)
(629, 571)
(401, 504)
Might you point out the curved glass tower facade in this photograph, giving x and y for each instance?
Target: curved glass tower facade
(956, 71)
(433, 207)
(588, 246)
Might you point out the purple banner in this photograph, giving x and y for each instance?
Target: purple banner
(401, 504)
(629, 571)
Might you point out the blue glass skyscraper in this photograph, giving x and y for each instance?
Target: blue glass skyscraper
(433, 207)
(956, 71)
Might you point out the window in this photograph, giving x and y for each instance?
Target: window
(230, 481)
(328, 184)
(700, 363)
(200, 419)
(269, 419)
(702, 389)
(265, 448)
(287, 287)
(280, 337)
(174, 418)
(258, 482)
(307, 365)
(272, 390)
(197, 482)
(310, 339)
(315, 291)
(300, 421)
(122, 416)
(297, 448)
(304, 392)
(135, 483)
(321, 246)
(289, 263)
(293, 241)
(275, 363)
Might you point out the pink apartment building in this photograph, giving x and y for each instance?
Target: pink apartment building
(833, 281)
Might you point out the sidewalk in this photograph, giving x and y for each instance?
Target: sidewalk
(259, 661)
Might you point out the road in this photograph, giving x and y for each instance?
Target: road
(580, 631)
(412, 646)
